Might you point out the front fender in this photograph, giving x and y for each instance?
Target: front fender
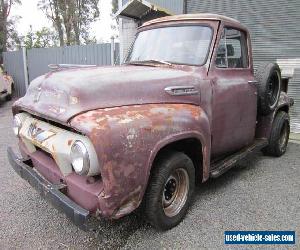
(128, 138)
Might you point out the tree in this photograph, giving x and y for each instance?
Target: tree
(43, 38)
(115, 6)
(28, 40)
(52, 12)
(15, 41)
(71, 18)
(6, 23)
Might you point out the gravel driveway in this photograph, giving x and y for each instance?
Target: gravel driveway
(262, 193)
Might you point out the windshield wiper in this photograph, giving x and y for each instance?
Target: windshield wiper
(151, 61)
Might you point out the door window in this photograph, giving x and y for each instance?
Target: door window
(232, 50)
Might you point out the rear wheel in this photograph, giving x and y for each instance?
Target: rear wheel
(279, 135)
(170, 190)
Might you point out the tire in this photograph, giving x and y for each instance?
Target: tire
(279, 135)
(166, 203)
(268, 76)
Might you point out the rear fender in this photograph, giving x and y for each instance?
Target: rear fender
(264, 123)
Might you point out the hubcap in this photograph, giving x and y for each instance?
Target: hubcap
(175, 192)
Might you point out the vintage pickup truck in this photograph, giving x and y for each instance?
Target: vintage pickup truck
(185, 106)
(6, 85)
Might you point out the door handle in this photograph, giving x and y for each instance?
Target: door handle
(254, 82)
(181, 90)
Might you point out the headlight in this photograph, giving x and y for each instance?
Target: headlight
(80, 158)
(17, 124)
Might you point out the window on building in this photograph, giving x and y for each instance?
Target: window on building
(233, 50)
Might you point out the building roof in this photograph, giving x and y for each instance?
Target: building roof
(137, 9)
(187, 17)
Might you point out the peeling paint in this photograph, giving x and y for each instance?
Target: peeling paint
(127, 137)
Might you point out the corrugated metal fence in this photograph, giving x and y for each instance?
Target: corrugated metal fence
(275, 33)
(291, 67)
(39, 59)
(294, 90)
(13, 64)
(272, 24)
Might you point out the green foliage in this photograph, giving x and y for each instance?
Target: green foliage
(7, 24)
(115, 4)
(28, 40)
(71, 19)
(43, 38)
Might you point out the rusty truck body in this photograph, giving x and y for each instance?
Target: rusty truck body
(185, 106)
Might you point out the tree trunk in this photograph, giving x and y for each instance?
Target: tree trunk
(58, 24)
(77, 32)
(67, 20)
(3, 26)
(60, 32)
(76, 9)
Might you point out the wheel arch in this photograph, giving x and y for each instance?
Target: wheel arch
(193, 144)
(285, 108)
(264, 126)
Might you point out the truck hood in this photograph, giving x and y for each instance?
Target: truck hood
(60, 95)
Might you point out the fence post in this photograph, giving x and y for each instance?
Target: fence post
(112, 51)
(25, 67)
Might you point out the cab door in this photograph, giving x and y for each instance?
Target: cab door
(234, 103)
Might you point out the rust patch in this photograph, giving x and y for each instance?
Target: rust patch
(124, 139)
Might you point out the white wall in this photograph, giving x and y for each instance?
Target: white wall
(128, 28)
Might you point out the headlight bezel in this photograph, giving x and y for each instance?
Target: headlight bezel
(17, 125)
(79, 155)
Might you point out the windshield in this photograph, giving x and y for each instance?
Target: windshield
(178, 45)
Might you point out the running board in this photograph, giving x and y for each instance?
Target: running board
(220, 167)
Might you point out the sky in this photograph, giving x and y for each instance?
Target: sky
(31, 15)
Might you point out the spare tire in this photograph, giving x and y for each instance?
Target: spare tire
(268, 76)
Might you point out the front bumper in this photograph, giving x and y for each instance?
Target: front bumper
(51, 192)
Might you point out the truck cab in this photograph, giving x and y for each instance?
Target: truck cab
(185, 106)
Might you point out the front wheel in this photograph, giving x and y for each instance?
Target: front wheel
(170, 190)
(279, 135)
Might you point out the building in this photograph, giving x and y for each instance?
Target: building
(274, 27)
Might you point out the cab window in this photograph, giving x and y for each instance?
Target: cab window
(232, 51)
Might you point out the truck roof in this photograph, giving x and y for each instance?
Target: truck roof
(188, 17)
